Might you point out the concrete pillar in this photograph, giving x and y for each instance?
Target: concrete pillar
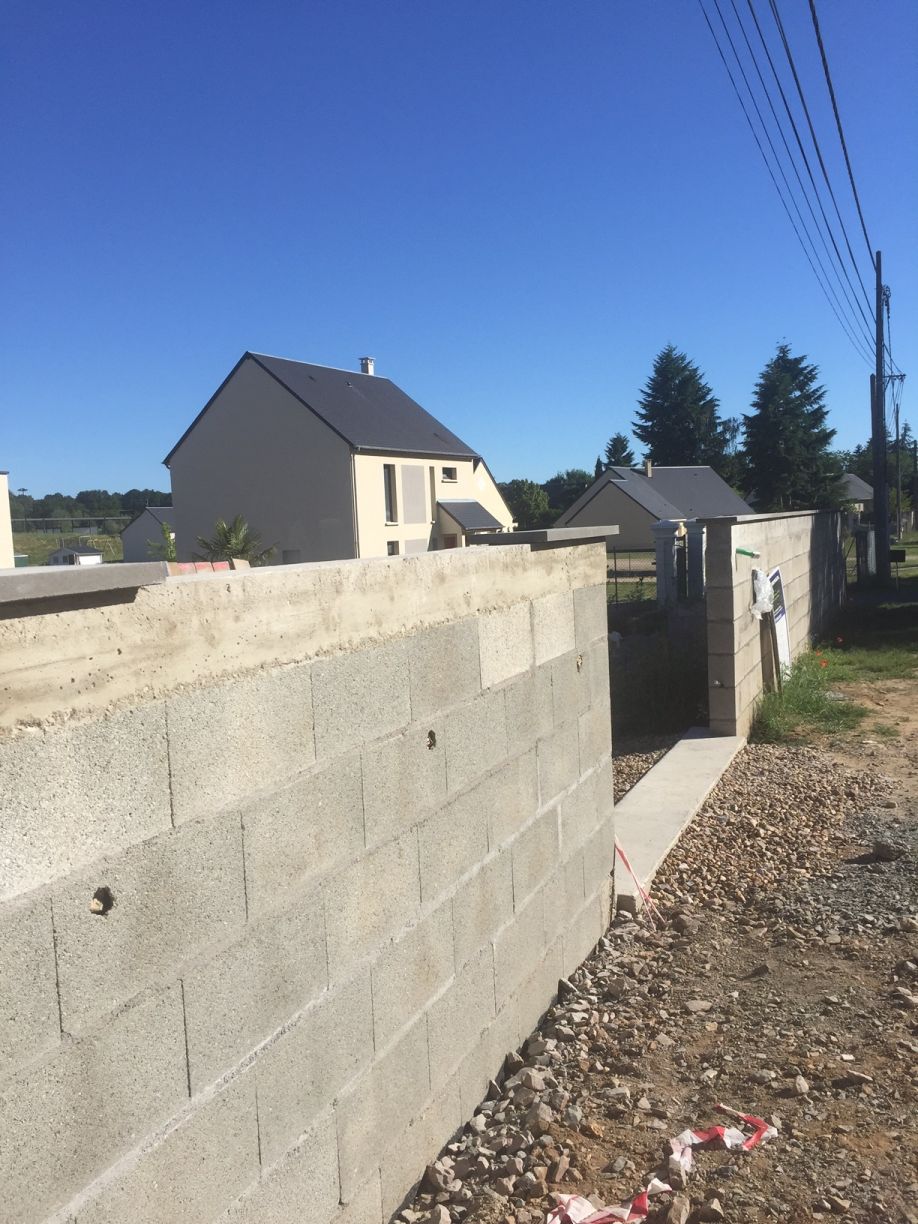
(6, 530)
(695, 545)
(664, 539)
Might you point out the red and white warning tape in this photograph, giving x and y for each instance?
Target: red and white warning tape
(650, 905)
(574, 1209)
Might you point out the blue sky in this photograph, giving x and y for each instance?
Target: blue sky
(512, 205)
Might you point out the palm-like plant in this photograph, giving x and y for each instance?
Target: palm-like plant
(233, 541)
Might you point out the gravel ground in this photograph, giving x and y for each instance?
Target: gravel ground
(779, 977)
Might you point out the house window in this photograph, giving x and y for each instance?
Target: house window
(389, 485)
(392, 548)
(450, 473)
(450, 541)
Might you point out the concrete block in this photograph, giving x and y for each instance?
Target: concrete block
(452, 843)
(505, 639)
(444, 667)
(510, 796)
(484, 1061)
(411, 971)
(417, 1146)
(302, 830)
(570, 686)
(68, 1118)
(29, 1017)
(722, 603)
(304, 1070)
(578, 817)
(364, 1207)
(457, 1019)
(228, 740)
(535, 855)
(403, 780)
(173, 895)
(303, 1182)
(600, 678)
(518, 948)
(194, 1173)
(559, 761)
(537, 993)
(369, 901)
(553, 626)
(483, 904)
(374, 1110)
(360, 695)
(591, 615)
(475, 740)
(582, 935)
(529, 709)
(651, 817)
(599, 858)
(239, 997)
(595, 732)
(103, 785)
(603, 790)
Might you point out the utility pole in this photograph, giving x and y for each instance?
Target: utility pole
(878, 420)
(898, 474)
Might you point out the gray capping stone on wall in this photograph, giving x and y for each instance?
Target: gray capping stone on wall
(359, 696)
(195, 1172)
(35, 583)
(104, 786)
(173, 895)
(228, 739)
(124, 1080)
(29, 1017)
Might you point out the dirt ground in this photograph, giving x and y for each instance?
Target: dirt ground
(780, 977)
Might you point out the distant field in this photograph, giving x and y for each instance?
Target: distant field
(39, 545)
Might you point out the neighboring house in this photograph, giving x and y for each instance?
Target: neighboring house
(857, 493)
(144, 530)
(326, 464)
(637, 499)
(79, 554)
(7, 556)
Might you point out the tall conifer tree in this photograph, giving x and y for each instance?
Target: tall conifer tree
(677, 418)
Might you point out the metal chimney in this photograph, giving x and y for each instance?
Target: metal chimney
(648, 469)
(367, 365)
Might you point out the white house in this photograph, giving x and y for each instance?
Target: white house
(6, 526)
(79, 554)
(144, 531)
(326, 464)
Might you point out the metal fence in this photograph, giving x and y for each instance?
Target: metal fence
(631, 575)
(110, 524)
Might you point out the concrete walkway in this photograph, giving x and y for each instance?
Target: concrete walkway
(651, 817)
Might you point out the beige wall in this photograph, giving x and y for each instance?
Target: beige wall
(374, 533)
(808, 549)
(6, 531)
(611, 506)
(356, 822)
(260, 453)
(138, 536)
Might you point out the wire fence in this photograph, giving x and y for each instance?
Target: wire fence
(631, 575)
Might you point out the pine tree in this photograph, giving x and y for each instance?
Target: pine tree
(599, 468)
(677, 418)
(787, 442)
(619, 452)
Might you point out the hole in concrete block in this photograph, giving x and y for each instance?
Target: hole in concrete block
(431, 739)
(580, 662)
(102, 901)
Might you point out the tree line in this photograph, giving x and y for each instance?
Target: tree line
(88, 503)
(777, 456)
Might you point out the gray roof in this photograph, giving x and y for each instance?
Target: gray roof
(368, 412)
(854, 488)
(669, 493)
(470, 515)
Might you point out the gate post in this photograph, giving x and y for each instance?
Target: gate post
(664, 539)
(695, 545)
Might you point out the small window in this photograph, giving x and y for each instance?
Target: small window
(450, 473)
(392, 548)
(389, 484)
(450, 541)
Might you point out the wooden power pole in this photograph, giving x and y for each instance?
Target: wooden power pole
(878, 422)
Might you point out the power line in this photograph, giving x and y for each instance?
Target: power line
(773, 4)
(841, 134)
(845, 327)
(868, 322)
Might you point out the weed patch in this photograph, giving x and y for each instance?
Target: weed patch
(806, 704)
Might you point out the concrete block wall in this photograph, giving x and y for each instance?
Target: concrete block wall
(808, 549)
(266, 931)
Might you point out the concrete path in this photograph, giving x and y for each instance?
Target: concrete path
(651, 817)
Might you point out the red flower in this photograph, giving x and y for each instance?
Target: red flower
(823, 662)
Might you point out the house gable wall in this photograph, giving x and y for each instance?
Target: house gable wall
(260, 453)
(612, 505)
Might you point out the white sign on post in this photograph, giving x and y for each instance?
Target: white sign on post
(779, 612)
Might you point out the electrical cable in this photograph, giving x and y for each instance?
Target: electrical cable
(854, 341)
(841, 134)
